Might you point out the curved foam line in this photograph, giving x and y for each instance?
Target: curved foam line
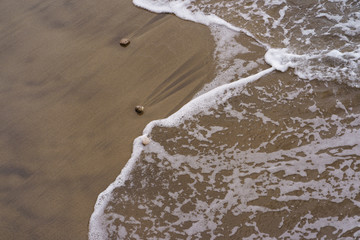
(95, 225)
(96, 229)
(179, 8)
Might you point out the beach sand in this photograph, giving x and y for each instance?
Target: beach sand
(68, 92)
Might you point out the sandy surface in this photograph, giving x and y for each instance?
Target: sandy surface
(67, 97)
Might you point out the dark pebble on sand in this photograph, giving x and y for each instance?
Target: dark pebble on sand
(139, 109)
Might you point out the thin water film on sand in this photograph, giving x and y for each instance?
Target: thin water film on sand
(273, 155)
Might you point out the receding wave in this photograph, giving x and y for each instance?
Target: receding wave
(269, 149)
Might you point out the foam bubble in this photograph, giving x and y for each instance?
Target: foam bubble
(279, 59)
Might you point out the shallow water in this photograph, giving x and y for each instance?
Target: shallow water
(66, 97)
(269, 149)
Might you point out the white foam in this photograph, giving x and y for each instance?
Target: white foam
(281, 27)
(97, 229)
(280, 59)
(182, 9)
(239, 194)
(282, 14)
(336, 18)
(197, 105)
(226, 56)
(347, 66)
(204, 102)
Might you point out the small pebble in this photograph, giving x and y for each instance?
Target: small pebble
(124, 42)
(145, 140)
(139, 109)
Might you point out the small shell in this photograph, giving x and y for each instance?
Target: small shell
(145, 140)
(124, 42)
(139, 109)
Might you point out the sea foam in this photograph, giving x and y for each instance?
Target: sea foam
(306, 143)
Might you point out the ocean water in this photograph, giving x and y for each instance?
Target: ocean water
(269, 149)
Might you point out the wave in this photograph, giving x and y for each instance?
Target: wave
(246, 159)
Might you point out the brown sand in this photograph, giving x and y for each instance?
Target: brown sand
(68, 92)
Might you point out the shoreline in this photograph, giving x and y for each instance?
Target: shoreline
(67, 114)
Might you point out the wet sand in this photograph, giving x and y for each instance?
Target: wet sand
(68, 92)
